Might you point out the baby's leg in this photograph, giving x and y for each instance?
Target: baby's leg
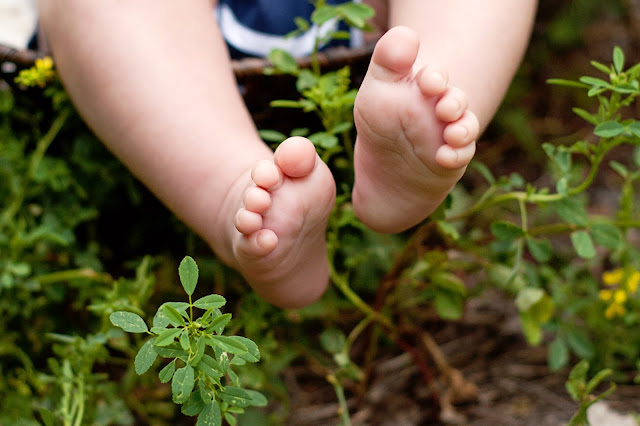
(279, 246)
(415, 137)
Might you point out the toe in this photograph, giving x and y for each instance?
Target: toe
(432, 81)
(463, 131)
(258, 244)
(296, 157)
(455, 158)
(266, 174)
(248, 222)
(394, 54)
(257, 200)
(452, 105)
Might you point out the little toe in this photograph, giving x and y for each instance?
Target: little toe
(432, 81)
(394, 54)
(463, 131)
(452, 105)
(248, 222)
(257, 244)
(296, 157)
(266, 174)
(455, 158)
(257, 200)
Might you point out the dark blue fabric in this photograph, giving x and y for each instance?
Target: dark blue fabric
(272, 16)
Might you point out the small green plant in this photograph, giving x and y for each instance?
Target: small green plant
(200, 370)
(581, 389)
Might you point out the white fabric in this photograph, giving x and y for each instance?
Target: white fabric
(18, 20)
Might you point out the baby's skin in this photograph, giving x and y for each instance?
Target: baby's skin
(415, 140)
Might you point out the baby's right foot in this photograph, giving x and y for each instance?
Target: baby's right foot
(280, 246)
(415, 137)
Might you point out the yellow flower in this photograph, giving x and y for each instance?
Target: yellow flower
(38, 75)
(614, 310)
(613, 277)
(605, 295)
(633, 281)
(619, 297)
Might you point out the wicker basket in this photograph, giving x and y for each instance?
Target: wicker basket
(257, 89)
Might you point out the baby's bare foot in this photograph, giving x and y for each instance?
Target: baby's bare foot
(415, 137)
(280, 245)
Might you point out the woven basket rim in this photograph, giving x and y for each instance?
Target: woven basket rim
(243, 68)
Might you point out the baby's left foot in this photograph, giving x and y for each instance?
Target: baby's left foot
(415, 137)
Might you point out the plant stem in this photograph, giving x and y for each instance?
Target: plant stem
(74, 274)
(342, 401)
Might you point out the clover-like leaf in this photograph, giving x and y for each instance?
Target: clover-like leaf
(146, 357)
(214, 301)
(129, 322)
(188, 272)
(182, 384)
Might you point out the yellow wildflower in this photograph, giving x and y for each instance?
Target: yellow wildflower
(614, 310)
(39, 74)
(613, 277)
(633, 281)
(619, 297)
(605, 295)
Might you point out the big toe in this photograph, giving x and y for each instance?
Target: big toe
(395, 53)
(296, 157)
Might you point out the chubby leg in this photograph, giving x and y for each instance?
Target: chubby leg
(415, 136)
(279, 245)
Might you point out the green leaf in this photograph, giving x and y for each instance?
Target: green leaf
(449, 305)
(47, 417)
(571, 210)
(210, 367)
(194, 405)
(333, 340)
(618, 59)
(539, 249)
(583, 244)
(586, 116)
(608, 129)
(182, 384)
(210, 416)
(356, 14)
(324, 140)
(577, 380)
(595, 82)
(253, 353)
(272, 136)
(145, 358)
(218, 324)
(161, 319)
(235, 396)
(323, 14)
(283, 61)
(227, 344)
(166, 373)
(558, 356)
(600, 67)
(172, 351)
(185, 342)
(214, 301)
(341, 127)
(527, 297)
(634, 128)
(200, 347)
(531, 328)
(188, 271)
(129, 322)
(580, 344)
(257, 399)
(175, 317)
(167, 336)
(506, 231)
(606, 235)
